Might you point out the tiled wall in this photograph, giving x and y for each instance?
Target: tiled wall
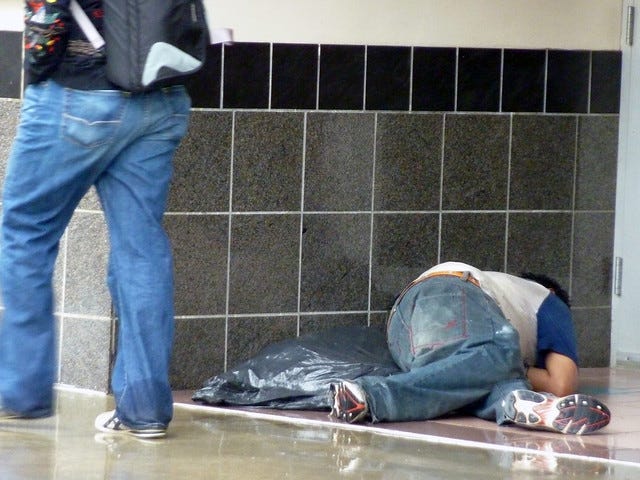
(316, 181)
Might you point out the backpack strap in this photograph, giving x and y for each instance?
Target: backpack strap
(83, 21)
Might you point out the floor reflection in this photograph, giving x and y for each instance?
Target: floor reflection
(210, 445)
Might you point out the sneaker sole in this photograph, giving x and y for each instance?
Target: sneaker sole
(574, 414)
(352, 411)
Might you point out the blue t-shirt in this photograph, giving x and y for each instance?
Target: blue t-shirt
(555, 331)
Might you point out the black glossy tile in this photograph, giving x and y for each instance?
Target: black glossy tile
(606, 72)
(248, 335)
(264, 264)
(474, 238)
(199, 244)
(204, 86)
(267, 163)
(388, 78)
(408, 161)
(294, 76)
(542, 162)
(592, 259)
(567, 81)
(202, 165)
(434, 79)
(404, 246)
(198, 352)
(335, 262)
(10, 64)
(476, 162)
(339, 161)
(341, 77)
(523, 80)
(246, 75)
(479, 80)
(540, 242)
(597, 162)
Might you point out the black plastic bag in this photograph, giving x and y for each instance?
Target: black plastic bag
(296, 373)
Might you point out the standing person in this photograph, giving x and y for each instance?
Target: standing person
(485, 343)
(77, 130)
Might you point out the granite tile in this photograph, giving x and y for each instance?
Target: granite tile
(87, 253)
(341, 82)
(335, 262)
(388, 78)
(593, 333)
(592, 259)
(86, 346)
(339, 162)
(267, 161)
(479, 72)
(202, 165)
(9, 119)
(567, 81)
(606, 74)
(198, 352)
(523, 80)
(10, 64)
(248, 335)
(434, 79)
(404, 246)
(378, 320)
(264, 263)
(597, 162)
(540, 242)
(246, 75)
(313, 324)
(408, 162)
(90, 201)
(294, 76)
(204, 86)
(542, 162)
(200, 245)
(476, 161)
(474, 238)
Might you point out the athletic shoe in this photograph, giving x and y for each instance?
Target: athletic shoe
(108, 422)
(348, 402)
(576, 414)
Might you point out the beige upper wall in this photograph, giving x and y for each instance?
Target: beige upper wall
(579, 24)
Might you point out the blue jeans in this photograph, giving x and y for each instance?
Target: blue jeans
(69, 140)
(457, 353)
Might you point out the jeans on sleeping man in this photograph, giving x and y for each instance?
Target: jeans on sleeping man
(456, 350)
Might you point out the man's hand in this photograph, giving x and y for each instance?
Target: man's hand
(560, 377)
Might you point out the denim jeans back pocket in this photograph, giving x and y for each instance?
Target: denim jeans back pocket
(92, 118)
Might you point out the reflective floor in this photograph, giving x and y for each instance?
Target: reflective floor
(216, 443)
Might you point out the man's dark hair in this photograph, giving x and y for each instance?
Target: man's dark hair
(549, 283)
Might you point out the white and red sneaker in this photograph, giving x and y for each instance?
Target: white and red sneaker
(574, 414)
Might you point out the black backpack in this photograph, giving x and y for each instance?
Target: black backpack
(149, 43)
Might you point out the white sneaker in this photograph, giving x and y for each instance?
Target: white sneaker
(108, 422)
(576, 414)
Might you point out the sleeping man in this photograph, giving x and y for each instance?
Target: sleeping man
(490, 344)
